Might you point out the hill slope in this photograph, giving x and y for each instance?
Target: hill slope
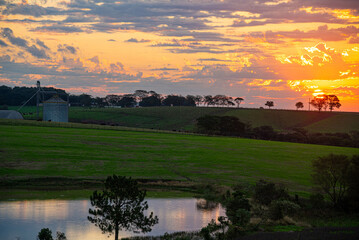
(184, 118)
(40, 151)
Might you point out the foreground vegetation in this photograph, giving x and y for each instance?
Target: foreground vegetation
(38, 152)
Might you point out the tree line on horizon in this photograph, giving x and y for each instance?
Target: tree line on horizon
(17, 96)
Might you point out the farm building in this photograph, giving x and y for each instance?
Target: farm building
(10, 114)
(55, 110)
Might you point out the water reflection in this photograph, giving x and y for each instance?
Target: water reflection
(24, 219)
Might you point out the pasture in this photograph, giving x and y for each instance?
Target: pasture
(40, 150)
(184, 118)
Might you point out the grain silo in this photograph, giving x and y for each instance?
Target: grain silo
(55, 110)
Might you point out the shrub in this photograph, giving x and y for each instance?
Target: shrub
(280, 208)
(237, 208)
(317, 201)
(241, 217)
(266, 192)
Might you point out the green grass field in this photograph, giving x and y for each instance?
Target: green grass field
(184, 118)
(30, 151)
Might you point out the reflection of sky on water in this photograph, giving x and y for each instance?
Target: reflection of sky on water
(24, 219)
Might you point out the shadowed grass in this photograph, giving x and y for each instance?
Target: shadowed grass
(184, 118)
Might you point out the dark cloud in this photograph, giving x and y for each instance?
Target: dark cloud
(2, 43)
(322, 33)
(165, 69)
(58, 28)
(135, 40)
(24, 44)
(41, 44)
(9, 34)
(95, 60)
(347, 4)
(213, 60)
(66, 48)
(36, 52)
(27, 9)
(111, 40)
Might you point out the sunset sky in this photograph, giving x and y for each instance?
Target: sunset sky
(282, 50)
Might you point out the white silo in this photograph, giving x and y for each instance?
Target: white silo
(56, 110)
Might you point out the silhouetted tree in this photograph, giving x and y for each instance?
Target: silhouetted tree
(264, 132)
(333, 102)
(320, 102)
(299, 105)
(151, 101)
(127, 101)
(223, 125)
(100, 102)
(190, 100)
(85, 100)
(269, 104)
(208, 99)
(238, 100)
(198, 99)
(112, 100)
(330, 173)
(46, 234)
(140, 94)
(174, 100)
(120, 206)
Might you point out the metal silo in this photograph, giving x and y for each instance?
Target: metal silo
(56, 110)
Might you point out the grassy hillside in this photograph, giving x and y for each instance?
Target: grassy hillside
(183, 118)
(42, 151)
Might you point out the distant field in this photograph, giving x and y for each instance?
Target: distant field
(184, 118)
(43, 151)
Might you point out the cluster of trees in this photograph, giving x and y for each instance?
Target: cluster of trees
(232, 126)
(322, 102)
(19, 95)
(325, 101)
(151, 98)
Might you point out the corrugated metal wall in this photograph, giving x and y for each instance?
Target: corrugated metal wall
(56, 110)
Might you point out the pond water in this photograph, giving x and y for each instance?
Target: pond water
(22, 220)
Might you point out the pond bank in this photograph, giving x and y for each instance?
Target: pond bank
(81, 188)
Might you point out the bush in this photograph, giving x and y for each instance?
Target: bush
(237, 208)
(317, 201)
(241, 217)
(46, 234)
(278, 209)
(266, 192)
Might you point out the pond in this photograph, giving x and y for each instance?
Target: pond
(22, 220)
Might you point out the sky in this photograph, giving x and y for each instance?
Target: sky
(283, 51)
